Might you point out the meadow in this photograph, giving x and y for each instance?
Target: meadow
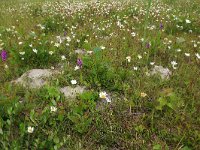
(138, 61)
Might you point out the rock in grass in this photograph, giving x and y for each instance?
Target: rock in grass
(180, 40)
(164, 73)
(72, 92)
(35, 78)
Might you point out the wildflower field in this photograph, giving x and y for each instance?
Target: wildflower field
(100, 75)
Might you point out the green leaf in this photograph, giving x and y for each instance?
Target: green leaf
(32, 113)
(56, 140)
(186, 148)
(157, 147)
(1, 131)
(162, 102)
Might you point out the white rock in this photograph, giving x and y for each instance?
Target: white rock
(35, 78)
(164, 73)
(71, 92)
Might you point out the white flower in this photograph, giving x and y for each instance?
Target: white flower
(174, 63)
(31, 45)
(35, 50)
(53, 109)
(63, 57)
(68, 39)
(102, 47)
(178, 50)
(76, 68)
(50, 52)
(128, 58)
(30, 129)
(6, 66)
(187, 54)
(57, 44)
(187, 21)
(198, 56)
(152, 63)
(133, 34)
(103, 95)
(20, 43)
(73, 82)
(195, 45)
(135, 68)
(21, 53)
(139, 57)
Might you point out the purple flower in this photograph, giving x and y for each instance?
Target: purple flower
(148, 45)
(3, 55)
(161, 26)
(65, 33)
(79, 62)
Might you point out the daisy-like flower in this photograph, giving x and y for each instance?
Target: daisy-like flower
(139, 57)
(6, 66)
(50, 52)
(30, 129)
(63, 57)
(133, 34)
(178, 50)
(187, 54)
(76, 68)
(152, 63)
(174, 63)
(20, 43)
(35, 50)
(135, 68)
(68, 39)
(128, 58)
(197, 55)
(104, 95)
(21, 53)
(73, 82)
(187, 21)
(102, 47)
(57, 44)
(143, 94)
(53, 109)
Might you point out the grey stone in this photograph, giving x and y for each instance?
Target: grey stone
(72, 92)
(35, 78)
(180, 40)
(164, 73)
(80, 51)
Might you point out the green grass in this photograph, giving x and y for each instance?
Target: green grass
(145, 112)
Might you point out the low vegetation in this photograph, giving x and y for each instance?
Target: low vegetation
(111, 48)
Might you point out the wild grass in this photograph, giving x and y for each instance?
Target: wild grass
(124, 41)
